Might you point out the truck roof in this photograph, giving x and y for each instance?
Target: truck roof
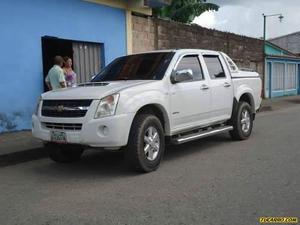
(185, 50)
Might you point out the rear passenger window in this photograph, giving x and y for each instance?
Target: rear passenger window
(191, 62)
(214, 66)
(231, 64)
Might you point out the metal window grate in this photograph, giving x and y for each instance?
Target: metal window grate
(87, 60)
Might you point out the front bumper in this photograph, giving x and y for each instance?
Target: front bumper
(110, 132)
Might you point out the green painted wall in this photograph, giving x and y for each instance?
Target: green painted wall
(272, 50)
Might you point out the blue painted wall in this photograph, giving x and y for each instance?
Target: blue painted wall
(23, 23)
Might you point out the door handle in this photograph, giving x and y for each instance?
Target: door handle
(204, 87)
(226, 84)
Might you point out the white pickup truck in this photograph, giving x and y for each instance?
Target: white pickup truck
(139, 103)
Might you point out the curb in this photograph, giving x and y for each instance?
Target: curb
(22, 156)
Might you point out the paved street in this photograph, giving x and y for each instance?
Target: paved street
(210, 181)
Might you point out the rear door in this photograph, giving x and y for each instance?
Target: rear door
(190, 100)
(221, 87)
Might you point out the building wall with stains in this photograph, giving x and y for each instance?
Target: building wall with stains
(23, 24)
(150, 34)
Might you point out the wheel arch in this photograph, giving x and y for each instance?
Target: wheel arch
(160, 112)
(243, 97)
(247, 97)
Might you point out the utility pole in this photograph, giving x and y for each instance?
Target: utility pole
(280, 17)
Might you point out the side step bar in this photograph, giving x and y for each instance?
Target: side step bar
(201, 134)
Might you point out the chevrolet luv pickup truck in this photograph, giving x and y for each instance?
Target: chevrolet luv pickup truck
(141, 102)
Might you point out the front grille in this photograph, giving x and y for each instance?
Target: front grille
(65, 108)
(63, 126)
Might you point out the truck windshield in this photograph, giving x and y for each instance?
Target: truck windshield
(148, 66)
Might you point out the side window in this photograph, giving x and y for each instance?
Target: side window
(191, 62)
(214, 66)
(231, 64)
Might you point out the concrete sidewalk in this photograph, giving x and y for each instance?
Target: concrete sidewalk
(20, 146)
(280, 103)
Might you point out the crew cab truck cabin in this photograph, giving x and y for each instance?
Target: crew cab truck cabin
(140, 102)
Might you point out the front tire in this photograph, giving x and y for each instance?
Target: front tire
(242, 122)
(64, 153)
(146, 143)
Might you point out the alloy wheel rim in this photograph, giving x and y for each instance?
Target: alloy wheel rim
(245, 121)
(151, 143)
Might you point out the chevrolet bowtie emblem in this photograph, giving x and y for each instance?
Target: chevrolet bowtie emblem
(60, 108)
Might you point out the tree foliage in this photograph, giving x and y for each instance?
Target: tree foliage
(185, 10)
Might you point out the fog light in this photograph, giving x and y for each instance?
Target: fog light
(103, 130)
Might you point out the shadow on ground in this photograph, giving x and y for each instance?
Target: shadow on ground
(112, 164)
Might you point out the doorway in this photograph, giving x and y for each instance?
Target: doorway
(87, 57)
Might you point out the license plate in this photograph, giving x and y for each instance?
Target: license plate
(58, 136)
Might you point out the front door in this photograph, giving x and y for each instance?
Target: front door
(190, 100)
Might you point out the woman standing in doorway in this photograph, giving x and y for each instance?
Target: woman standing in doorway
(70, 75)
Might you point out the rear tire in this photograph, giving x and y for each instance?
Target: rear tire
(64, 153)
(242, 122)
(146, 143)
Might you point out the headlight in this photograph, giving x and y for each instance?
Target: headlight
(107, 106)
(36, 111)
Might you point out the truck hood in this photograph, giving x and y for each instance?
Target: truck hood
(93, 90)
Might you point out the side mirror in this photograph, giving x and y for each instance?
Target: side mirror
(181, 75)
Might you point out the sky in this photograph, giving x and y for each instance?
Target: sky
(245, 17)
